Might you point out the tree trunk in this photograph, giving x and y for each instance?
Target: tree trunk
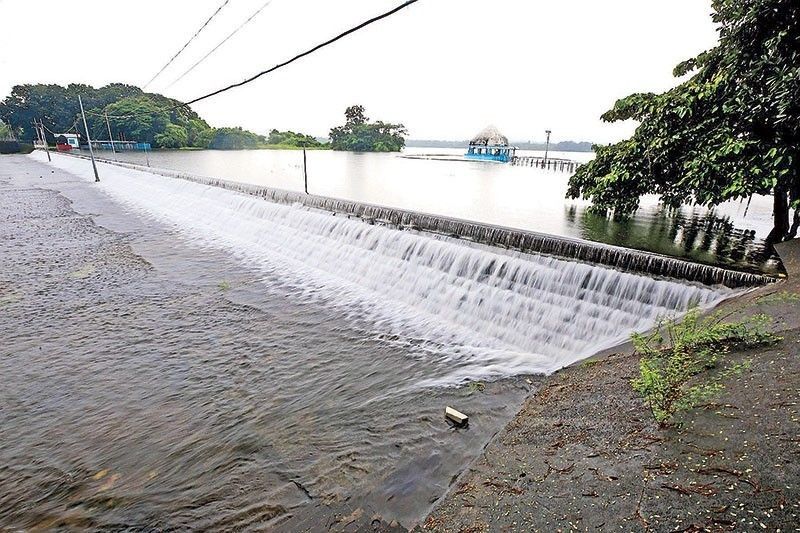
(795, 224)
(794, 199)
(780, 213)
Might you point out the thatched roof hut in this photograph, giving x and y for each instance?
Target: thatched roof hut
(489, 136)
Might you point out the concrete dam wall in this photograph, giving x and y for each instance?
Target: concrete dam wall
(624, 259)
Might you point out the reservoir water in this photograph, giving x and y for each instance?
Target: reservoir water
(519, 197)
(181, 356)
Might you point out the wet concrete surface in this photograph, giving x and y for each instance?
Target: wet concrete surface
(584, 454)
(146, 383)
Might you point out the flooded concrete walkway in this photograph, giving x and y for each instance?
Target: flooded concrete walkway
(150, 383)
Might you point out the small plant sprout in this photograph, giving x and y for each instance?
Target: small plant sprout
(684, 362)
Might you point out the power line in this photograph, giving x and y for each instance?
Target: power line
(307, 52)
(74, 124)
(187, 43)
(223, 41)
(279, 65)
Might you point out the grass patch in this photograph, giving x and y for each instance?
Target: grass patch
(782, 297)
(684, 362)
(475, 386)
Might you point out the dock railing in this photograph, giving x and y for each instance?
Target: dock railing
(547, 163)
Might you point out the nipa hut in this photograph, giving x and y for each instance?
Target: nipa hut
(490, 145)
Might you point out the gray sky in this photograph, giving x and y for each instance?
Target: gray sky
(445, 68)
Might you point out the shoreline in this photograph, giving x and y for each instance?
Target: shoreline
(583, 453)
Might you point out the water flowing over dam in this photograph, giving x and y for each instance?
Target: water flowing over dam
(492, 312)
(621, 258)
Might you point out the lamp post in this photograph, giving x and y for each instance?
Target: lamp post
(547, 145)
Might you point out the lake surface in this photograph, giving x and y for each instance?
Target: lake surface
(521, 197)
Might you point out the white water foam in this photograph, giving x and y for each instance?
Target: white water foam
(488, 312)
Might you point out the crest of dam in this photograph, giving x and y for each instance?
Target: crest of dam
(481, 311)
(491, 235)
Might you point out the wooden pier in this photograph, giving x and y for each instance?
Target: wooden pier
(550, 163)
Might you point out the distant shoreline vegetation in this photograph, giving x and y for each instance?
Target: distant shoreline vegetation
(240, 139)
(133, 115)
(360, 135)
(164, 123)
(563, 146)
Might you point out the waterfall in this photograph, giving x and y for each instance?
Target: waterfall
(492, 312)
(492, 235)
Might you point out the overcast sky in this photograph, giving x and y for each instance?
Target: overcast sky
(445, 68)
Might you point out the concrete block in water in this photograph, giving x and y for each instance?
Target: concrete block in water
(456, 416)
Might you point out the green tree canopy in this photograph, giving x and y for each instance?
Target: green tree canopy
(234, 139)
(139, 117)
(730, 131)
(290, 138)
(198, 133)
(132, 112)
(359, 135)
(174, 136)
(143, 118)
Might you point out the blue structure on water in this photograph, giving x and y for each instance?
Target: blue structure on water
(490, 145)
(122, 145)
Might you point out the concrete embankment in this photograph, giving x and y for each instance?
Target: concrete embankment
(584, 454)
(487, 234)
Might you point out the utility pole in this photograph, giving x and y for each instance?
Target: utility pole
(38, 131)
(44, 140)
(110, 138)
(547, 145)
(88, 139)
(13, 136)
(305, 171)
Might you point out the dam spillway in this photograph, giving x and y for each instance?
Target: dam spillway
(492, 312)
(617, 257)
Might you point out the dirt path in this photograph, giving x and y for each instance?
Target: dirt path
(583, 453)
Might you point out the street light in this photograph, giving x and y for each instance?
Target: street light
(547, 144)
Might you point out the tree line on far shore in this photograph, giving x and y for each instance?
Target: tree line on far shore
(135, 115)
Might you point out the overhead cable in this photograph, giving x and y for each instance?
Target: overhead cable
(223, 41)
(67, 130)
(307, 52)
(279, 65)
(173, 58)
